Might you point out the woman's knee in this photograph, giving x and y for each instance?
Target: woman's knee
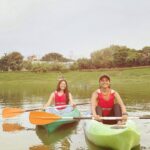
(117, 109)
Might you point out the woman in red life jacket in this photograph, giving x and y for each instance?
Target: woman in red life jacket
(107, 102)
(61, 96)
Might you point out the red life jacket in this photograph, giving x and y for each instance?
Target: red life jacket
(60, 100)
(106, 105)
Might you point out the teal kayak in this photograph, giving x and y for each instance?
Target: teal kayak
(54, 125)
(59, 134)
(123, 137)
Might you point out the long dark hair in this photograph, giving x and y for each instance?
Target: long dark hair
(66, 91)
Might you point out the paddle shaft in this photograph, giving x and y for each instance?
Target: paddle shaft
(109, 118)
(78, 118)
(101, 118)
(68, 105)
(54, 107)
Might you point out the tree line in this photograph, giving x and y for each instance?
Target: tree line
(110, 57)
(116, 56)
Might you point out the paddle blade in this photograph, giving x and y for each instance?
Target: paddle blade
(11, 112)
(42, 118)
(8, 127)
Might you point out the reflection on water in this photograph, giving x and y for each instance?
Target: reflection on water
(58, 139)
(139, 107)
(68, 137)
(39, 147)
(50, 138)
(11, 127)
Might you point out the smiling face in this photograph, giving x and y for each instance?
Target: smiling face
(62, 85)
(104, 82)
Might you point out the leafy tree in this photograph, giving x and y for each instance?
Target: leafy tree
(74, 66)
(12, 61)
(54, 57)
(4, 63)
(146, 55)
(97, 58)
(15, 61)
(84, 63)
(120, 57)
(146, 50)
(27, 65)
(132, 58)
(104, 58)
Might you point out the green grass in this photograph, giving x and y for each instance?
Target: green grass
(133, 84)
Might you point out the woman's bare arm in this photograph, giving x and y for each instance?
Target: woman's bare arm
(71, 100)
(94, 103)
(120, 102)
(51, 98)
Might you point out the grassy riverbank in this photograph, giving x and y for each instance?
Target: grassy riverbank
(131, 83)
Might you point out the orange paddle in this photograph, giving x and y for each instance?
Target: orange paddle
(42, 118)
(12, 112)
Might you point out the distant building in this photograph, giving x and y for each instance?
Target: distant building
(32, 58)
(67, 64)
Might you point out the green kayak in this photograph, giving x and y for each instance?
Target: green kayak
(116, 137)
(58, 135)
(53, 126)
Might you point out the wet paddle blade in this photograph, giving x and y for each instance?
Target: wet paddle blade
(11, 112)
(42, 118)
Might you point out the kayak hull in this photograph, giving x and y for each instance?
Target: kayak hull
(59, 134)
(56, 124)
(123, 137)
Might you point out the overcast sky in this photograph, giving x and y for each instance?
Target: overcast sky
(74, 28)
